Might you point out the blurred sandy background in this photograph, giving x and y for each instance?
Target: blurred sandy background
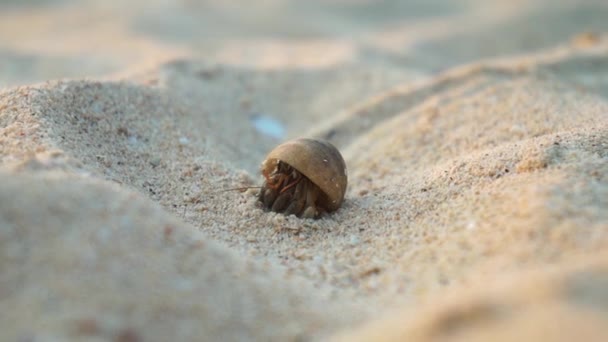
(475, 135)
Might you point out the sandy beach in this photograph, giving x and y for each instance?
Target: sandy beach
(475, 135)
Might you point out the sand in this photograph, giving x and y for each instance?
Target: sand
(475, 135)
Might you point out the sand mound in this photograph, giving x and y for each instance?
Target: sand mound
(71, 244)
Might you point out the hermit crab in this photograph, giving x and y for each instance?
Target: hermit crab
(303, 177)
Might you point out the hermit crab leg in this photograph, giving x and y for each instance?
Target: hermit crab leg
(296, 181)
(299, 199)
(282, 201)
(268, 196)
(312, 192)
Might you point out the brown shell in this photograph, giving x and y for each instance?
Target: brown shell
(319, 161)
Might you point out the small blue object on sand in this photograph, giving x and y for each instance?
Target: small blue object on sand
(268, 126)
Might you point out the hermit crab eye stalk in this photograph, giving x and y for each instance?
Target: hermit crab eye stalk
(303, 177)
